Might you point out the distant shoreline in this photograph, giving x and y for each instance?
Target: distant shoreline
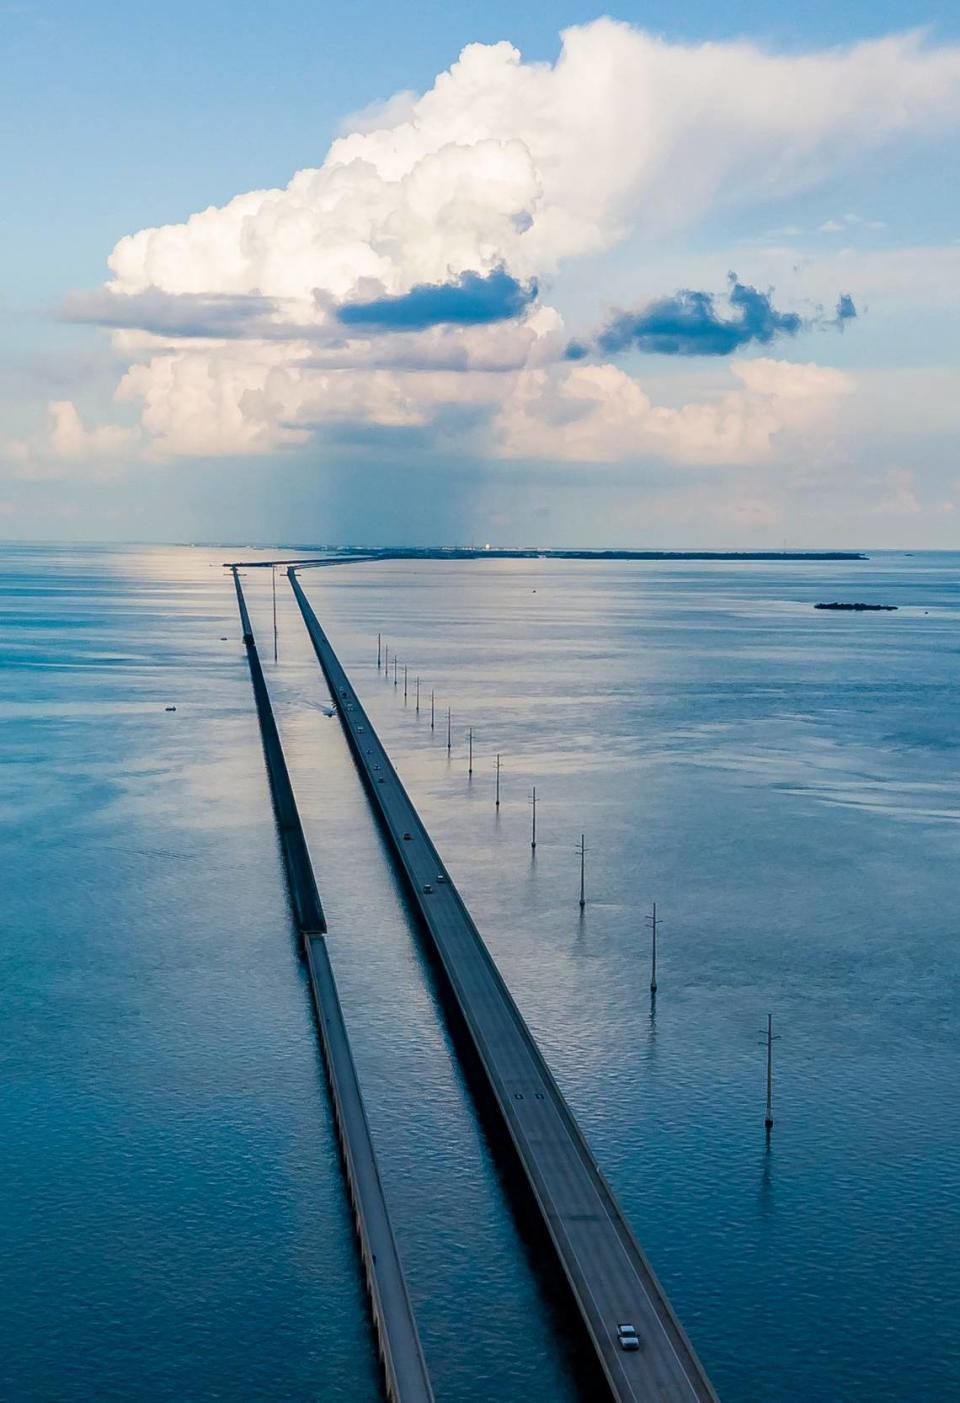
(347, 553)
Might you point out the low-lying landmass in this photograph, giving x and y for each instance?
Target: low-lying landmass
(308, 555)
(859, 608)
(536, 553)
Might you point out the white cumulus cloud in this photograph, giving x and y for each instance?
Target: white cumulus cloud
(67, 443)
(502, 164)
(598, 413)
(524, 164)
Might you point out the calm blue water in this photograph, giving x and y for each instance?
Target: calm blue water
(784, 783)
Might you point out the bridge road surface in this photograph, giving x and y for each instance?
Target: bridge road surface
(404, 1366)
(610, 1278)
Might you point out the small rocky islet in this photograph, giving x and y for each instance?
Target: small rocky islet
(860, 608)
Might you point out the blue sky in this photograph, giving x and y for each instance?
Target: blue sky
(117, 120)
(183, 104)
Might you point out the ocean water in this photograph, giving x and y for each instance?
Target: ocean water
(782, 782)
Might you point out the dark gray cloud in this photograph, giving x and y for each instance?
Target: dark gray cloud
(472, 300)
(845, 311)
(688, 324)
(187, 314)
(685, 324)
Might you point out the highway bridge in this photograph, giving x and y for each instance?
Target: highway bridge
(401, 1354)
(610, 1279)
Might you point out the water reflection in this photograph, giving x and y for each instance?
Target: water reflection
(766, 1203)
(778, 777)
(705, 720)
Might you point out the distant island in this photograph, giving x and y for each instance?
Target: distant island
(531, 553)
(310, 555)
(861, 608)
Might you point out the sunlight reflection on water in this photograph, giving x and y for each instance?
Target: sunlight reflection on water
(778, 780)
